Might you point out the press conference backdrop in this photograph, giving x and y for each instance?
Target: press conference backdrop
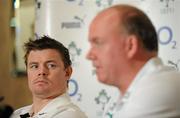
(68, 22)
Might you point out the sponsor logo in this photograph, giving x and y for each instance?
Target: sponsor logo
(165, 36)
(74, 50)
(168, 6)
(73, 89)
(77, 23)
(174, 64)
(104, 3)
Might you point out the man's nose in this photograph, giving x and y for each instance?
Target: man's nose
(43, 71)
(42, 74)
(90, 55)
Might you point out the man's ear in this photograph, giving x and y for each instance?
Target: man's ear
(68, 71)
(132, 45)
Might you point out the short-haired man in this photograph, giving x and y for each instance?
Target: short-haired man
(48, 69)
(124, 47)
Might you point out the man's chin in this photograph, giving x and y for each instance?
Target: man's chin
(40, 91)
(102, 79)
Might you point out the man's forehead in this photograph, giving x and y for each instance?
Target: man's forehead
(107, 14)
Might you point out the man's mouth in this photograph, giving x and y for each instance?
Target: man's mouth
(40, 82)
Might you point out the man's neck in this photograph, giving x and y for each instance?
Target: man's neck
(39, 104)
(127, 79)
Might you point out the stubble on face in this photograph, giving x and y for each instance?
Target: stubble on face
(53, 82)
(106, 27)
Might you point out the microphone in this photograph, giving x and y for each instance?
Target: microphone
(5, 111)
(26, 115)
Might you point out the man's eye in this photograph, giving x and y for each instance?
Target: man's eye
(51, 66)
(97, 42)
(33, 66)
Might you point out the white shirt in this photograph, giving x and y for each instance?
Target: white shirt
(154, 93)
(60, 107)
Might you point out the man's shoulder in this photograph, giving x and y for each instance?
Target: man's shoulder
(25, 108)
(21, 110)
(63, 107)
(71, 110)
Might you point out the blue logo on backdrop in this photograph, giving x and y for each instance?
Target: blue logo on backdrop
(168, 31)
(73, 90)
(74, 85)
(165, 36)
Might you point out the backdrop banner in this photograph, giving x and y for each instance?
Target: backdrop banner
(68, 20)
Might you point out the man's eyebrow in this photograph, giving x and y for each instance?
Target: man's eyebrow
(50, 61)
(30, 63)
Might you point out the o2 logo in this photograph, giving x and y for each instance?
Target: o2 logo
(81, 2)
(73, 89)
(165, 36)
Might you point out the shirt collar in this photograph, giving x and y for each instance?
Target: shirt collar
(61, 100)
(148, 68)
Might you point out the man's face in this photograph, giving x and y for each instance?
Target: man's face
(47, 76)
(107, 49)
